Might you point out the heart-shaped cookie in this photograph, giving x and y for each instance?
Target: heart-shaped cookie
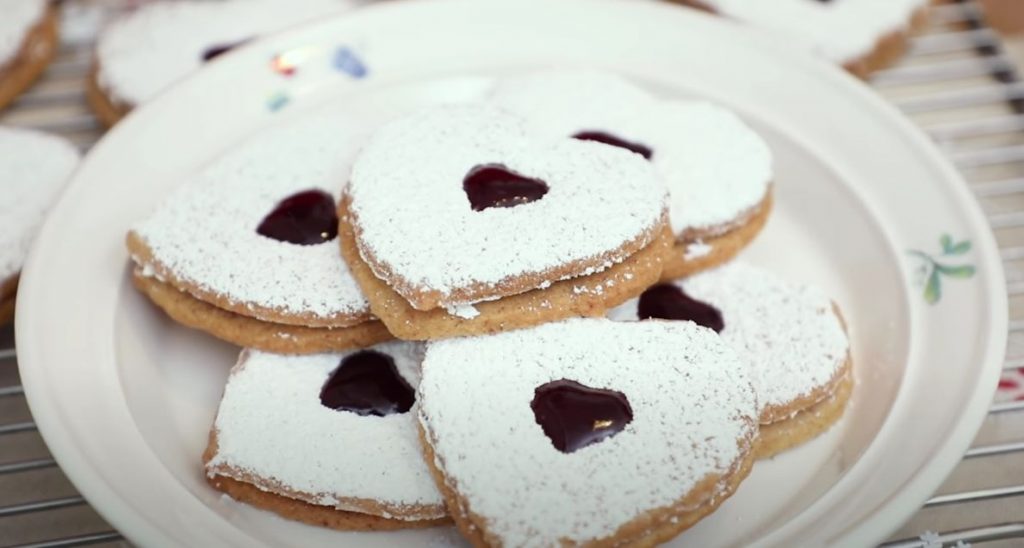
(586, 431)
(792, 334)
(569, 208)
(328, 439)
(246, 249)
(35, 167)
(718, 171)
(863, 36)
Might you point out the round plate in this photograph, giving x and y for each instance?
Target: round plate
(866, 208)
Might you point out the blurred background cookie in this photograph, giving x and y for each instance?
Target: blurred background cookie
(28, 42)
(144, 51)
(34, 167)
(861, 35)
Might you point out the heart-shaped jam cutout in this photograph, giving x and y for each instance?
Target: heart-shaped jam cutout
(609, 139)
(669, 302)
(305, 218)
(367, 383)
(493, 185)
(574, 416)
(215, 51)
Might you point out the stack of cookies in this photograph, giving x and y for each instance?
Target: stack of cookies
(521, 315)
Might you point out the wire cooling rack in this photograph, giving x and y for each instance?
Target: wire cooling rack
(957, 83)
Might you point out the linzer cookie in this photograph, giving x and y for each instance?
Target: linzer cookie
(34, 167)
(586, 431)
(861, 35)
(718, 171)
(246, 250)
(28, 42)
(149, 49)
(328, 440)
(793, 335)
(456, 221)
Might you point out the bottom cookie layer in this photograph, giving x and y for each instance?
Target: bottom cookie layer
(720, 248)
(37, 50)
(312, 514)
(649, 529)
(806, 425)
(577, 297)
(253, 333)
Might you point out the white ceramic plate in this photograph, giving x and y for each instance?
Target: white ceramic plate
(125, 398)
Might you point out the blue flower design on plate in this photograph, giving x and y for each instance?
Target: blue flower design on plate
(277, 101)
(347, 61)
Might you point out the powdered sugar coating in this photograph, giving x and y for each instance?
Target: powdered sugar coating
(147, 50)
(81, 22)
(795, 342)
(696, 250)
(716, 168)
(34, 167)
(18, 17)
(271, 425)
(693, 410)
(414, 217)
(841, 30)
(205, 232)
(465, 311)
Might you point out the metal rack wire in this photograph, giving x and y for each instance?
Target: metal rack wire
(963, 89)
(957, 83)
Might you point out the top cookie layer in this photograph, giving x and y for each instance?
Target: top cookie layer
(143, 52)
(19, 16)
(273, 430)
(417, 229)
(203, 237)
(716, 168)
(34, 167)
(693, 411)
(841, 30)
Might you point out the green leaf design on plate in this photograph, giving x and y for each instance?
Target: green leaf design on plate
(931, 271)
(946, 241)
(960, 248)
(964, 271)
(933, 289)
